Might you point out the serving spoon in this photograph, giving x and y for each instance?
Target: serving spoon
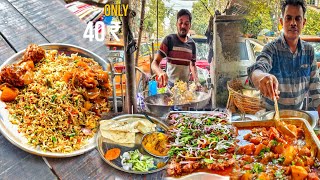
(158, 128)
(280, 125)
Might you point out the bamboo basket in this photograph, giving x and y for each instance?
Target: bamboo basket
(237, 100)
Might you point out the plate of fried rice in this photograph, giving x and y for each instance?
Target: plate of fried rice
(52, 99)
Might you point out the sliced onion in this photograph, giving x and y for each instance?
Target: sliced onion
(172, 121)
(127, 166)
(185, 162)
(86, 131)
(126, 155)
(92, 93)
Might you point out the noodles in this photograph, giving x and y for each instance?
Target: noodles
(51, 111)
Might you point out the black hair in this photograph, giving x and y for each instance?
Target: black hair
(183, 12)
(294, 3)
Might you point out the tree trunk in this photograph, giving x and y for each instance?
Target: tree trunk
(143, 2)
(131, 91)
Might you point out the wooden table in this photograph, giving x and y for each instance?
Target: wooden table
(47, 21)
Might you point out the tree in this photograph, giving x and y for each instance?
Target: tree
(260, 16)
(172, 22)
(200, 17)
(151, 17)
(266, 14)
(201, 14)
(313, 22)
(135, 21)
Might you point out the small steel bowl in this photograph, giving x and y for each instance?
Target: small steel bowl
(145, 149)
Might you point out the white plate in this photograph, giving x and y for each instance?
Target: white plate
(200, 176)
(9, 130)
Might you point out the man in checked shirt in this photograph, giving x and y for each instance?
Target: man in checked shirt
(286, 68)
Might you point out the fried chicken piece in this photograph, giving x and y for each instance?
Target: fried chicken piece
(33, 53)
(21, 73)
(85, 79)
(13, 75)
(174, 168)
(190, 167)
(221, 165)
(17, 75)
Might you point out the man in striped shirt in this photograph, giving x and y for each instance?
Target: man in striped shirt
(286, 68)
(180, 51)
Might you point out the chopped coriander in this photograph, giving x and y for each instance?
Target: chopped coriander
(71, 134)
(222, 151)
(274, 142)
(53, 98)
(257, 168)
(277, 161)
(54, 139)
(210, 161)
(263, 151)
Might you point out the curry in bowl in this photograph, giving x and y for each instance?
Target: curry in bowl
(156, 144)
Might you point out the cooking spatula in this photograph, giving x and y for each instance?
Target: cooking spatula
(280, 125)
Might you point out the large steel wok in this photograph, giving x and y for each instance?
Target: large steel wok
(158, 104)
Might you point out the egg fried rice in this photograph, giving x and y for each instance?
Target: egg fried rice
(182, 93)
(54, 115)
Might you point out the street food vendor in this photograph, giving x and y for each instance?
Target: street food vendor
(180, 51)
(286, 67)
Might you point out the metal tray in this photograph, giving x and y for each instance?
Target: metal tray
(9, 131)
(291, 114)
(104, 144)
(226, 111)
(310, 137)
(158, 104)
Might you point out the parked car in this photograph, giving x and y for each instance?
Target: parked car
(202, 54)
(202, 59)
(249, 49)
(116, 56)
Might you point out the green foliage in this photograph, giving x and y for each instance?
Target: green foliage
(259, 17)
(200, 17)
(312, 26)
(265, 14)
(151, 17)
(173, 20)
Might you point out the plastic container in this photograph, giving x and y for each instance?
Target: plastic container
(152, 87)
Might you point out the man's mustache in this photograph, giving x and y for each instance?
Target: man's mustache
(293, 28)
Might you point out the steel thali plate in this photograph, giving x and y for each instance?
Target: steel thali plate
(10, 131)
(104, 144)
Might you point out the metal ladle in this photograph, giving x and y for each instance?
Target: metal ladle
(280, 125)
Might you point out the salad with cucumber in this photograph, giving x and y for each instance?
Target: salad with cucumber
(135, 161)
